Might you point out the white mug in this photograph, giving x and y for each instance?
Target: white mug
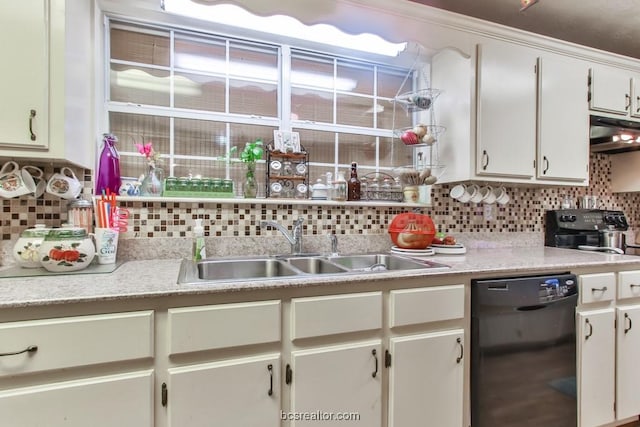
(488, 196)
(15, 182)
(476, 194)
(64, 184)
(462, 193)
(38, 178)
(502, 198)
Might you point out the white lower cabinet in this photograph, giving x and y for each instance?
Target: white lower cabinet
(337, 385)
(237, 392)
(214, 387)
(76, 371)
(426, 379)
(596, 367)
(426, 369)
(627, 361)
(608, 338)
(628, 345)
(123, 400)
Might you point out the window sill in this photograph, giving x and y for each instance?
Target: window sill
(271, 201)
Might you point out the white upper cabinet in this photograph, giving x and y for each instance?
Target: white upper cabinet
(506, 110)
(46, 109)
(563, 119)
(610, 91)
(531, 115)
(24, 84)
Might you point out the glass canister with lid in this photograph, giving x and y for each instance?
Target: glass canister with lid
(80, 214)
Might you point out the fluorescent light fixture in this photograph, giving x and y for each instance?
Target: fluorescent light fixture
(251, 71)
(138, 79)
(228, 14)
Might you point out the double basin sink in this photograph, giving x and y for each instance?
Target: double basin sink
(279, 267)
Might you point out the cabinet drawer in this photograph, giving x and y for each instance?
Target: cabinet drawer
(628, 284)
(413, 306)
(75, 341)
(597, 287)
(335, 314)
(221, 326)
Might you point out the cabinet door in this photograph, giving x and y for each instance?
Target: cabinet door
(627, 361)
(24, 83)
(237, 392)
(635, 95)
(563, 119)
(596, 367)
(343, 383)
(124, 400)
(426, 379)
(609, 90)
(506, 113)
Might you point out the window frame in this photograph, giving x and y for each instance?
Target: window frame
(285, 53)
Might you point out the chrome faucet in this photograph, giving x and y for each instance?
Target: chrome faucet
(295, 238)
(334, 244)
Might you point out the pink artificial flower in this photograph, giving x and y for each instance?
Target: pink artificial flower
(146, 149)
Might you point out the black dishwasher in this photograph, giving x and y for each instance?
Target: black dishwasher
(523, 351)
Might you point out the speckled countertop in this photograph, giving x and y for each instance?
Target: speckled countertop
(154, 278)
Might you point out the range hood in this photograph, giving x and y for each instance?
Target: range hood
(611, 136)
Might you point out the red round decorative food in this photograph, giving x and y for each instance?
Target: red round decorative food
(412, 230)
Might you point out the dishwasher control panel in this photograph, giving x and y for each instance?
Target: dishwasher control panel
(527, 291)
(553, 288)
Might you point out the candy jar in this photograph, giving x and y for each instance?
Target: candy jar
(67, 249)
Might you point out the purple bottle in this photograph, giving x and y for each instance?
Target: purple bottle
(108, 176)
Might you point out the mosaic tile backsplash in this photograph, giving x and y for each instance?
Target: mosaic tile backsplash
(523, 214)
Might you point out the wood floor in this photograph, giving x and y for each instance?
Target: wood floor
(531, 400)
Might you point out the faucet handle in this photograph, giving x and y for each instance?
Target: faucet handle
(298, 222)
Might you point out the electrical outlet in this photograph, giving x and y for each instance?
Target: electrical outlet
(489, 211)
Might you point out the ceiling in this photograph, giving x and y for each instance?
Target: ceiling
(611, 25)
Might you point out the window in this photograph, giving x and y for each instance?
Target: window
(196, 95)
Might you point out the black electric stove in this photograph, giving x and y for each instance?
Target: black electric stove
(570, 228)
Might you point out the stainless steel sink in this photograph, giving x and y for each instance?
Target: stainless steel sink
(316, 265)
(380, 262)
(307, 265)
(243, 269)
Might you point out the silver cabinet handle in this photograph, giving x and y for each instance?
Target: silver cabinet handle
(628, 100)
(545, 160)
(626, 317)
(270, 369)
(638, 104)
(30, 349)
(586, 321)
(373, 353)
(459, 358)
(602, 289)
(485, 158)
(32, 115)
